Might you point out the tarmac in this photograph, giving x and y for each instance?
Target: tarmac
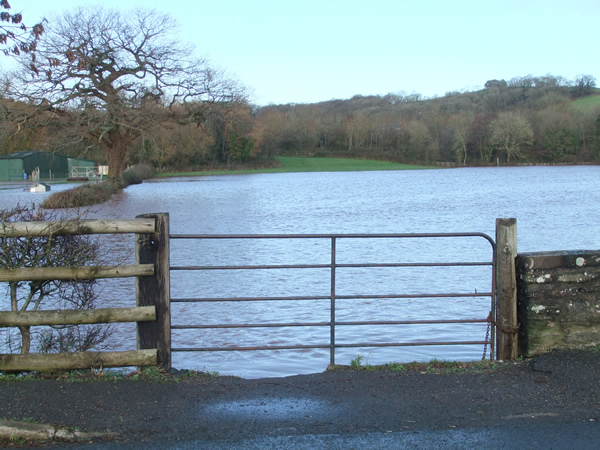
(550, 401)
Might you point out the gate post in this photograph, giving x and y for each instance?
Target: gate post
(153, 248)
(506, 289)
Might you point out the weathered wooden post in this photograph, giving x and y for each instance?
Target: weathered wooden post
(506, 289)
(153, 248)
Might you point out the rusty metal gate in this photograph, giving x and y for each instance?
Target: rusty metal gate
(339, 271)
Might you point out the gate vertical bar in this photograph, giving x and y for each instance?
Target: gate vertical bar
(506, 289)
(153, 248)
(332, 304)
(493, 304)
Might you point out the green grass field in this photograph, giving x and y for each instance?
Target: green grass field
(589, 103)
(305, 164)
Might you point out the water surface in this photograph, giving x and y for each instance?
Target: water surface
(557, 208)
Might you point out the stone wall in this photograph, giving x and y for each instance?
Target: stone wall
(558, 300)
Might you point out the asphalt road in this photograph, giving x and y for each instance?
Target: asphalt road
(571, 436)
(551, 401)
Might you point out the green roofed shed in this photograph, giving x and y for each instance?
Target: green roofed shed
(21, 165)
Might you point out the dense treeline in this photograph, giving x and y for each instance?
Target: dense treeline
(230, 136)
(525, 120)
(528, 119)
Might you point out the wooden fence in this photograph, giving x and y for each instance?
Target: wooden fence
(151, 313)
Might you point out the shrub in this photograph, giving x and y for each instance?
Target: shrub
(137, 174)
(95, 193)
(84, 195)
(131, 177)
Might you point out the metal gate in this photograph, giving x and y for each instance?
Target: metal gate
(343, 276)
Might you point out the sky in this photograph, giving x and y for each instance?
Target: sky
(307, 51)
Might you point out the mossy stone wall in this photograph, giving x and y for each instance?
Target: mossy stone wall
(558, 300)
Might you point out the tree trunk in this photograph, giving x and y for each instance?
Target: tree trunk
(116, 150)
(25, 331)
(25, 340)
(116, 162)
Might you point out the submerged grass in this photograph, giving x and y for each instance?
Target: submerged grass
(152, 374)
(97, 193)
(291, 164)
(303, 164)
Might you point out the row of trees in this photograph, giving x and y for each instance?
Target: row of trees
(122, 89)
(526, 119)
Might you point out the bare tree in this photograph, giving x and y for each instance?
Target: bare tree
(584, 84)
(118, 77)
(52, 251)
(499, 84)
(15, 37)
(510, 132)
(420, 140)
(462, 124)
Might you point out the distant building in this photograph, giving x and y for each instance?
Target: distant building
(48, 165)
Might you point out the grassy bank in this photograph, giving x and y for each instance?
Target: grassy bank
(589, 103)
(89, 194)
(305, 164)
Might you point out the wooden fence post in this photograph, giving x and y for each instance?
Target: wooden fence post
(153, 248)
(506, 289)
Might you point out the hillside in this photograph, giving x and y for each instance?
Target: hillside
(529, 120)
(525, 120)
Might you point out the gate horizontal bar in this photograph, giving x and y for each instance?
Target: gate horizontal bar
(330, 236)
(406, 296)
(255, 267)
(251, 325)
(326, 346)
(436, 264)
(247, 349)
(247, 299)
(410, 344)
(327, 324)
(328, 266)
(337, 297)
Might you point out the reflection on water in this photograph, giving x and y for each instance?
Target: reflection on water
(557, 208)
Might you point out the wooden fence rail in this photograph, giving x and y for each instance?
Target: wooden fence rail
(76, 273)
(80, 360)
(78, 317)
(91, 226)
(151, 236)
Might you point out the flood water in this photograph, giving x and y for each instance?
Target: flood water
(557, 208)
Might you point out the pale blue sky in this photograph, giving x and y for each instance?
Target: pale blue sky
(305, 51)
